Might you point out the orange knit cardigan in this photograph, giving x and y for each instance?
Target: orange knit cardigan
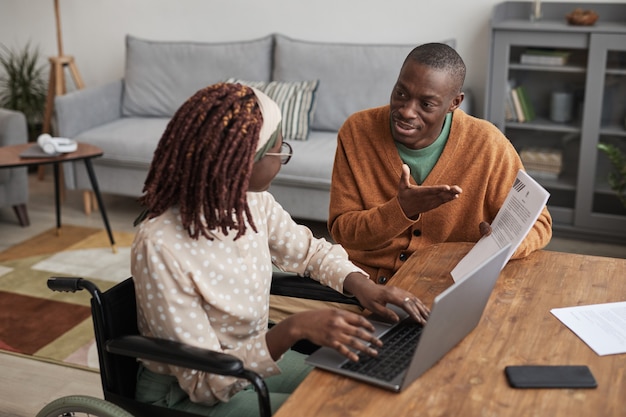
(365, 216)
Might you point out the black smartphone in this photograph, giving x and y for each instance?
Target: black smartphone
(550, 376)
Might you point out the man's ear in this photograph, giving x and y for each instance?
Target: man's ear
(456, 102)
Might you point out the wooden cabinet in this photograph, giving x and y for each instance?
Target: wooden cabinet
(581, 202)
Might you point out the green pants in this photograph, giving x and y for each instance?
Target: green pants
(164, 391)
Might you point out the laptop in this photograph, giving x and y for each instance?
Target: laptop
(454, 314)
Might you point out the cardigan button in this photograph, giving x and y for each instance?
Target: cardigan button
(382, 280)
(417, 232)
(403, 256)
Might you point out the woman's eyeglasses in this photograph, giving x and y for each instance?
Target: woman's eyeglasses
(285, 153)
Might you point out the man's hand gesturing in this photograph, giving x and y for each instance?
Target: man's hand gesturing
(416, 199)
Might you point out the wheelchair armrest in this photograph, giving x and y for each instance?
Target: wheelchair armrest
(175, 353)
(292, 285)
(180, 354)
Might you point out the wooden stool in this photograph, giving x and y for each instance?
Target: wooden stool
(57, 87)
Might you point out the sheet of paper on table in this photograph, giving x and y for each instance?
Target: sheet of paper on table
(516, 217)
(601, 326)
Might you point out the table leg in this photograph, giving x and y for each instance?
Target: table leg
(57, 201)
(96, 190)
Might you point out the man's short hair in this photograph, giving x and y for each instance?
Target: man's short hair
(442, 57)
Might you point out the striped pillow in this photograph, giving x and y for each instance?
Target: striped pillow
(296, 100)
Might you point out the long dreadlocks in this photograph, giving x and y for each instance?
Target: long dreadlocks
(204, 160)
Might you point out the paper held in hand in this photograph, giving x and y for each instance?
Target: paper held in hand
(514, 220)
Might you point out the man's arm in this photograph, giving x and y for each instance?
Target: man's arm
(411, 198)
(538, 237)
(541, 232)
(362, 215)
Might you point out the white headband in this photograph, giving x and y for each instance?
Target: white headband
(271, 117)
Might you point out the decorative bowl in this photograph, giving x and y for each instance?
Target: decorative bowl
(581, 17)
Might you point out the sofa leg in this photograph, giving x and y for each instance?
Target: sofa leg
(22, 214)
(90, 203)
(87, 202)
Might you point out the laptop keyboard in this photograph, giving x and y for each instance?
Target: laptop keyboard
(394, 356)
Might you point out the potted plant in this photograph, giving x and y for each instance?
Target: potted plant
(617, 178)
(22, 85)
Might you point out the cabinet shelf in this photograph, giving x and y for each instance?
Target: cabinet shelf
(562, 183)
(614, 130)
(545, 125)
(616, 71)
(595, 74)
(603, 188)
(548, 68)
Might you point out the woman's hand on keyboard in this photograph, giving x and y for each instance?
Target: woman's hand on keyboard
(341, 330)
(375, 297)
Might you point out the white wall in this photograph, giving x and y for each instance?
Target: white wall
(93, 30)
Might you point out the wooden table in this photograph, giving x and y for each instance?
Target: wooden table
(10, 158)
(517, 328)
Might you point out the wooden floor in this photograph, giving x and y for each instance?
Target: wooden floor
(26, 385)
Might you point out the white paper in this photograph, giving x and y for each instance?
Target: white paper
(516, 217)
(601, 326)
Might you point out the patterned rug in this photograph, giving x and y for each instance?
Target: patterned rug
(52, 326)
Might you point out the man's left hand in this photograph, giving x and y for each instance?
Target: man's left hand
(485, 229)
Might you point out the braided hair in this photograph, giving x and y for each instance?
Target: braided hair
(204, 160)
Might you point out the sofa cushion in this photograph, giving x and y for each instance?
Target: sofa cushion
(352, 77)
(128, 141)
(296, 100)
(311, 165)
(161, 75)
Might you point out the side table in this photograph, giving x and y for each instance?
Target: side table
(10, 158)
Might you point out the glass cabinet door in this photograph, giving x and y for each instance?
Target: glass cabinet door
(542, 138)
(604, 121)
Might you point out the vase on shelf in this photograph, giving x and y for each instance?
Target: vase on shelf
(535, 11)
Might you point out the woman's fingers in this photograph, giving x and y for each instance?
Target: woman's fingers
(416, 308)
(350, 333)
(355, 344)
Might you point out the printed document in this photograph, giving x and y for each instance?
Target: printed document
(516, 217)
(601, 326)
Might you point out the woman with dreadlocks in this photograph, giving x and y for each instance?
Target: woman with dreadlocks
(202, 258)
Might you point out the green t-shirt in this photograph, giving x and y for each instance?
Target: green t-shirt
(422, 161)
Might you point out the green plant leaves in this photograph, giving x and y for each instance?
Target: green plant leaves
(617, 178)
(22, 83)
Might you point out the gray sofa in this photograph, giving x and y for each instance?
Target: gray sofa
(14, 181)
(127, 117)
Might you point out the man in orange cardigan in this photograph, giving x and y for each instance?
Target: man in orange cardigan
(420, 171)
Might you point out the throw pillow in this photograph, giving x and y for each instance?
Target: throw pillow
(296, 100)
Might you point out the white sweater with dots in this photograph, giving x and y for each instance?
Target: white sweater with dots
(215, 293)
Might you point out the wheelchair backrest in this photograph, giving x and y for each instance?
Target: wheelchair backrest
(115, 315)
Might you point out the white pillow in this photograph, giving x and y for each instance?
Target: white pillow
(296, 100)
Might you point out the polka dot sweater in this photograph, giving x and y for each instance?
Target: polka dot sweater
(214, 294)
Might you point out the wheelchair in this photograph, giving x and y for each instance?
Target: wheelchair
(119, 344)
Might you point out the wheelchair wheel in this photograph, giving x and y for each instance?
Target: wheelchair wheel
(82, 405)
